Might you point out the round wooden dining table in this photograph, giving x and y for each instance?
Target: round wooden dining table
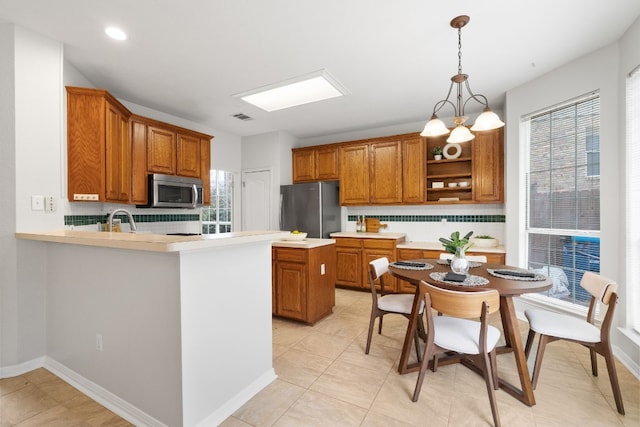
(507, 288)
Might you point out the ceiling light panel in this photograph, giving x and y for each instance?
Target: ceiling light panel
(313, 87)
(115, 33)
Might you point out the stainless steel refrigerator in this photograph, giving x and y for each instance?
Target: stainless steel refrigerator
(312, 207)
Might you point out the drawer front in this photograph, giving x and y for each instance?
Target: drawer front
(287, 254)
(347, 242)
(379, 243)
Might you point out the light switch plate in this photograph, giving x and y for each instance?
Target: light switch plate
(37, 203)
(50, 204)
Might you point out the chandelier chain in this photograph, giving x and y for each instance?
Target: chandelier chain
(459, 50)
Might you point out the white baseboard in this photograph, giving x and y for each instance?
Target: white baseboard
(102, 396)
(23, 368)
(236, 402)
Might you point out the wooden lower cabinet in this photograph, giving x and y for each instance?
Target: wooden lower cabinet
(303, 282)
(407, 254)
(353, 256)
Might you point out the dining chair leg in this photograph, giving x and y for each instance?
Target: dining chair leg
(613, 378)
(594, 362)
(536, 367)
(370, 334)
(489, 381)
(527, 347)
(380, 325)
(494, 369)
(428, 351)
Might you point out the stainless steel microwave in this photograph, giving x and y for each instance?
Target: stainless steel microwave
(168, 191)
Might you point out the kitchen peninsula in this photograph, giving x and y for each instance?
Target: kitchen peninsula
(169, 330)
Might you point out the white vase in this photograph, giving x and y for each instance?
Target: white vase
(459, 262)
(437, 156)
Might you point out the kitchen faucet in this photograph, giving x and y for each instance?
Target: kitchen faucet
(132, 223)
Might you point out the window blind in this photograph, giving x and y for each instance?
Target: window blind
(633, 196)
(563, 194)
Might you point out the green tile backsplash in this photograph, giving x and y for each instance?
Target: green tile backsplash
(78, 220)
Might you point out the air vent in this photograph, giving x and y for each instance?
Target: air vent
(243, 117)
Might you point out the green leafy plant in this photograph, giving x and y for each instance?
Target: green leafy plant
(436, 150)
(451, 245)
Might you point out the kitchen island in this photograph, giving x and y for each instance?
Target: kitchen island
(164, 330)
(304, 279)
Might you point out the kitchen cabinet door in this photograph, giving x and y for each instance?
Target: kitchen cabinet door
(161, 150)
(327, 163)
(354, 174)
(139, 194)
(118, 155)
(304, 165)
(413, 170)
(385, 172)
(188, 155)
(205, 169)
(349, 262)
(291, 287)
(488, 166)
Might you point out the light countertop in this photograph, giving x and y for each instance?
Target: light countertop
(151, 242)
(308, 243)
(437, 246)
(356, 235)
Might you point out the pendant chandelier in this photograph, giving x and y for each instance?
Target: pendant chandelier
(486, 121)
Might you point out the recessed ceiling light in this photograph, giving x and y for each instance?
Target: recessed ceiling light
(312, 87)
(115, 33)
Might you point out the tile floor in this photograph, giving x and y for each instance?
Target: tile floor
(325, 379)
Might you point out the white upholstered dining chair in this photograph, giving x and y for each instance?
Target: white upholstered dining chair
(555, 326)
(456, 332)
(387, 303)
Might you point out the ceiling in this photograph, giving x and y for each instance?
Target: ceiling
(188, 58)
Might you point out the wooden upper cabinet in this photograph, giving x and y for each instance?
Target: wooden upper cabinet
(327, 160)
(118, 155)
(488, 166)
(413, 169)
(354, 174)
(304, 165)
(139, 194)
(161, 150)
(188, 155)
(316, 164)
(98, 156)
(385, 173)
(205, 169)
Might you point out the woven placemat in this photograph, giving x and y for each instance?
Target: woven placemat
(423, 266)
(471, 280)
(536, 276)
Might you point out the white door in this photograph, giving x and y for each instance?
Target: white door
(256, 200)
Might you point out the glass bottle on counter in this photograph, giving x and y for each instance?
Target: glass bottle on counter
(358, 225)
(364, 225)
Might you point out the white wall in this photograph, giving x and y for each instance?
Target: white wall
(39, 132)
(270, 151)
(34, 151)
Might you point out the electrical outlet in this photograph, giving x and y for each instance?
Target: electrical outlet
(99, 345)
(322, 270)
(37, 203)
